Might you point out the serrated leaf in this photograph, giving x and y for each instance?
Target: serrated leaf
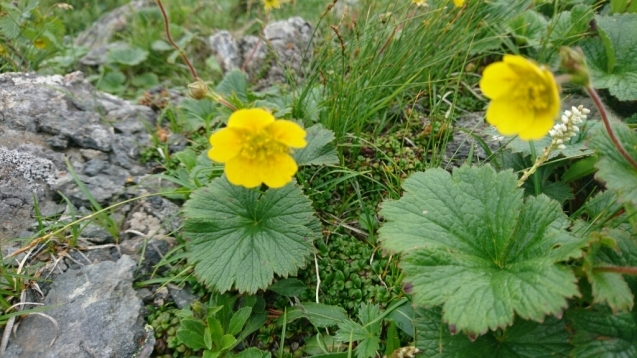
(322, 315)
(289, 287)
(191, 332)
(238, 319)
(600, 334)
(241, 237)
(367, 342)
(610, 287)
(234, 83)
(524, 339)
(529, 27)
(611, 55)
(470, 243)
(319, 149)
(612, 168)
(127, 55)
(215, 330)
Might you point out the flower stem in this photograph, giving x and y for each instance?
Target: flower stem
(538, 162)
(611, 134)
(172, 43)
(617, 269)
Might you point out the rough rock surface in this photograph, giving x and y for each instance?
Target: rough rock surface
(460, 146)
(45, 120)
(286, 46)
(96, 303)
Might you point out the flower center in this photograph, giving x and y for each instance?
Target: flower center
(261, 146)
(532, 94)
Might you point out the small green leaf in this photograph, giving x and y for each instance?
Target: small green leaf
(611, 55)
(393, 340)
(112, 82)
(322, 315)
(289, 287)
(127, 55)
(471, 237)
(367, 334)
(612, 168)
(241, 237)
(227, 341)
(211, 354)
(145, 80)
(215, 329)
(319, 149)
(529, 27)
(234, 83)
(524, 339)
(191, 332)
(207, 338)
(600, 334)
(403, 316)
(238, 319)
(251, 352)
(161, 46)
(256, 321)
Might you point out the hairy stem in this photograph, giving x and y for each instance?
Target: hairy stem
(606, 120)
(172, 43)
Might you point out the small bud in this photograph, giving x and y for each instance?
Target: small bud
(64, 6)
(198, 90)
(573, 62)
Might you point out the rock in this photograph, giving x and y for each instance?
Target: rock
(23, 176)
(94, 167)
(181, 296)
(102, 30)
(287, 47)
(161, 295)
(101, 187)
(95, 136)
(461, 144)
(97, 313)
(89, 154)
(97, 234)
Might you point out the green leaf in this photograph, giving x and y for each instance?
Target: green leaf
(319, 149)
(145, 80)
(470, 243)
(529, 27)
(600, 334)
(161, 46)
(127, 55)
(322, 315)
(256, 321)
(403, 317)
(612, 167)
(112, 82)
(367, 334)
(211, 354)
(580, 169)
(610, 287)
(215, 329)
(227, 341)
(234, 83)
(393, 340)
(238, 319)
(240, 237)
(611, 56)
(191, 332)
(251, 352)
(524, 339)
(289, 287)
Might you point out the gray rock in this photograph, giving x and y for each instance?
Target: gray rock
(22, 176)
(226, 50)
(95, 136)
(101, 187)
(97, 234)
(97, 313)
(181, 296)
(287, 47)
(58, 142)
(462, 144)
(89, 154)
(101, 32)
(94, 167)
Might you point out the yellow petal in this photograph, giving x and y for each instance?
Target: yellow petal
(288, 133)
(458, 3)
(278, 171)
(508, 117)
(253, 119)
(523, 67)
(497, 80)
(540, 127)
(554, 95)
(242, 171)
(226, 143)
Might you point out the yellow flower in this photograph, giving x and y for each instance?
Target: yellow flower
(256, 148)
(419, 2)
(524, 97)
(39, 44)
(269, 4)
(458, 3)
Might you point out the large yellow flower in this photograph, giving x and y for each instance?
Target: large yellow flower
(524, 97)
(256, 148)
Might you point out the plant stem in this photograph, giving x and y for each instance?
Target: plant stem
(617, 269)
(611, 134)
(172, 43)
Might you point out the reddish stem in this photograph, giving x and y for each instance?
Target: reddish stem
(172, 43)
(611, 134)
